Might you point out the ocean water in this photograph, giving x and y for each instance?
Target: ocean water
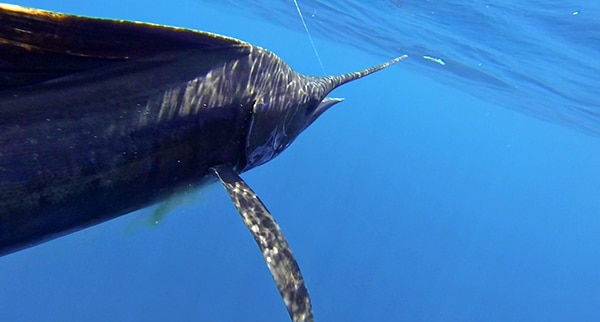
(462, 191)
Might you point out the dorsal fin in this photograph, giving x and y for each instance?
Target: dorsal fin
(30, 38)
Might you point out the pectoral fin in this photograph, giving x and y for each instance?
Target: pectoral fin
(272, 244)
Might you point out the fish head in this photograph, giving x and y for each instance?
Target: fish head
(290, 105)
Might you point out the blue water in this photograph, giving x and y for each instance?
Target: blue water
(430, 194)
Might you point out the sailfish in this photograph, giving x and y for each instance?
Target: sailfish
(101, 117)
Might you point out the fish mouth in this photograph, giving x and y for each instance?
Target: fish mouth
(325, 104)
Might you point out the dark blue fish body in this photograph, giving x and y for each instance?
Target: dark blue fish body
(70, 159)
(99, 118)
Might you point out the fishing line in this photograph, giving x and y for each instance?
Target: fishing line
(310, 37)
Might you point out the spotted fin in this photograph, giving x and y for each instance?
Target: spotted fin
(272, 244)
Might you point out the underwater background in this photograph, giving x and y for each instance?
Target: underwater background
(462, 184)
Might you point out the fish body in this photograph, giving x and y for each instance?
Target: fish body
(100, 117)
(84, 149)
